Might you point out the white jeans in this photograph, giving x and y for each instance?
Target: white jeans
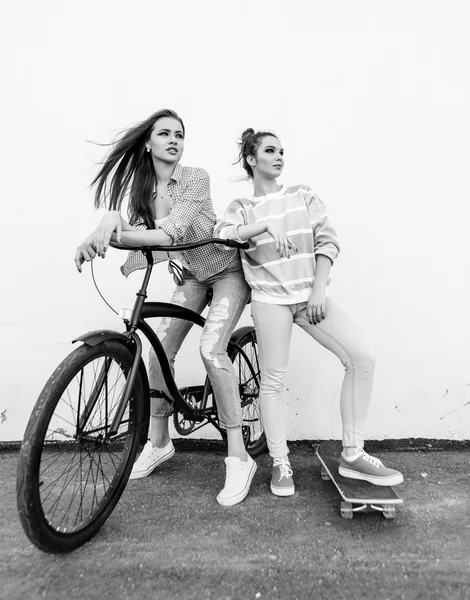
(273, 323)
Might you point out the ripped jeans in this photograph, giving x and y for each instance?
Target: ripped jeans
(230, 295)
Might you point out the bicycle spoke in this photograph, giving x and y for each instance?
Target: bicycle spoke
(74, 482)
(75, 492)
(48, 489)
(246, 367)
(71, 473)
(57, 496)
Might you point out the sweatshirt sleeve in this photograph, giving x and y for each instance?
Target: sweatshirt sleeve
(227, 227)
(185, 211)
(324, 235)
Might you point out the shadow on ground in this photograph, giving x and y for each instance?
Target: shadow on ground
(169, 539)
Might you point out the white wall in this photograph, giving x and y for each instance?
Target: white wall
(371, 102)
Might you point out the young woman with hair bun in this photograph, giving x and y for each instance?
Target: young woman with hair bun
(169, 204)
(292, 248)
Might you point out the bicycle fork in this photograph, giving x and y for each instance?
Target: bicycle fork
(102, 381)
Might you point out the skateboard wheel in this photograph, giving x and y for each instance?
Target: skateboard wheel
(389, 512)
(346, 510)
(324, 474)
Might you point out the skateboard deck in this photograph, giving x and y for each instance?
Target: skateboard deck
(358, 495)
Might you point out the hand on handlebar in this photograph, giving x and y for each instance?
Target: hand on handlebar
(85, 252)
(97, 242)
(109, 224)
(178, 247)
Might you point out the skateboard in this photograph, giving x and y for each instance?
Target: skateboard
(358, 495)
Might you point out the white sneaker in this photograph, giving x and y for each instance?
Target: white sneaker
(237, 480)
(150, 458)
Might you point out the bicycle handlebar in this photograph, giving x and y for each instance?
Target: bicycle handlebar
(178, 247)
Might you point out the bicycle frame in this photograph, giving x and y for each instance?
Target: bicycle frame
(143, 310)
(84, 433)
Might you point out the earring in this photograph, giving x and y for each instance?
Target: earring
(148, 149)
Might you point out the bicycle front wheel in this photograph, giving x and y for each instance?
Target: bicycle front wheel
(72, 469)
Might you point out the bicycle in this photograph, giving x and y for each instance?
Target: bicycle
(92, 416)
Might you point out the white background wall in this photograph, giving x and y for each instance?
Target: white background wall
(371, 102)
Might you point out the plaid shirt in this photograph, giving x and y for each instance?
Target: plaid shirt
(191, 219)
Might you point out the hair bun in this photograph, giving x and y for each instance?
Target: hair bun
(248, 133)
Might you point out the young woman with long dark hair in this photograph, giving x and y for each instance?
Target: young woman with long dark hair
(169, 204)
(292, 248)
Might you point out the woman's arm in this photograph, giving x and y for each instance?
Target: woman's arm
(324, 234)
(97, 242)
(322, 272)
(145, 237)
(233, 227)
(85, 252)
(246, 232)
(112, 222)
(316, 305)
(130, 236)
(284, 244)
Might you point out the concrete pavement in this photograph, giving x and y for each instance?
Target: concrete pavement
(169, 539)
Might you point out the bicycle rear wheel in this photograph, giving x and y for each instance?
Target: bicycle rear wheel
(246, 365)
(244, 357)
(71, 470)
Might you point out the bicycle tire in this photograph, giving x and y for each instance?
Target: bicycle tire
(247, 372)
(69, 481)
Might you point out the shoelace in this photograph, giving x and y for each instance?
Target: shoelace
(284, 467)
(375, 462)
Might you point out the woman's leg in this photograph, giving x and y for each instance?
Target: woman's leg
(273, 323)
(230, 295)
(273, 330)
(171, 332)
(338, 334)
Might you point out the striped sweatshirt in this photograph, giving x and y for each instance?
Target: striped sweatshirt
(275, 279)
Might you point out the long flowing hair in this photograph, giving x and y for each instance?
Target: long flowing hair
(128, 170)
